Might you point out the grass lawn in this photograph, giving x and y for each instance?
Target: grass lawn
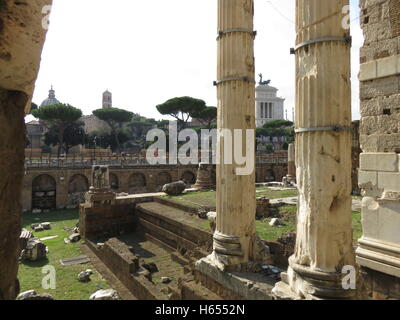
(67, 286)
(287, 216)
(208, 198)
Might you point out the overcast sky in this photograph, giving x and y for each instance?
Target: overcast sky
(146, 52)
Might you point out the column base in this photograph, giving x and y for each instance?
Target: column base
(302, 283)
(228, 254)
(233, 285)
(379, 256)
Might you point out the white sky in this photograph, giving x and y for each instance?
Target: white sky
(146, 52)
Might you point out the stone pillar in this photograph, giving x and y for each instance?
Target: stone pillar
(21, 41)
(291, 176)
(206, 179)
(323, 153)
(236, 204)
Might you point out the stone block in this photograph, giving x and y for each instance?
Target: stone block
(379, 87)
(387, 67)
(387, 162)
(367, 179)
(389, 222)
(368, 71)
(370, 214)
(389, 181)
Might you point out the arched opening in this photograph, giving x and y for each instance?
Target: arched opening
(77, 187)
(162, 179)
(44, 188)
(114, 182)
(188, 177)
(137, 183)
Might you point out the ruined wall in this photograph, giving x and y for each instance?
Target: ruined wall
(124, 179)
(21, 41)
(106, 220)
(379, 176)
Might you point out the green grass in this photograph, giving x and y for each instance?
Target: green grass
(208, 198)
(288, 218)
(67, 286)
(357, 226)
(276, 194)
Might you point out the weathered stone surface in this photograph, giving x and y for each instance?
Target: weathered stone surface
(21, 40)
(32, 295)
(12, 144)
(105, 295)
(323, 159)
(175, 188)
(75, 237)
(206, 177)
(25, 237)
(274, 222)
(84, 276)
(34, 251)
(262, 207)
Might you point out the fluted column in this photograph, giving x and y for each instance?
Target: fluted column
(236, 205)
(323, 152)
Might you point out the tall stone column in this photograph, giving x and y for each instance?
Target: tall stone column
(236, 205)
(21, 40)
(323, 153)
(291, 176)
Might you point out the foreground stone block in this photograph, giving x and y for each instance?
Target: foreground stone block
(109, 294)
(175, 188)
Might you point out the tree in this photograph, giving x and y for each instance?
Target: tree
(105, 139)
(59, 115)
(73, 135)
(181, 109)
(114, 117)
(206, 116)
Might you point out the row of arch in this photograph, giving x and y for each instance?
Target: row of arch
(44, 187)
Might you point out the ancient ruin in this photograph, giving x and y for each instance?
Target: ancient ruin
(159, 248)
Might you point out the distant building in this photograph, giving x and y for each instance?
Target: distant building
(107, 99)
(268, 105)
(92, 124)
(51, 99)
(35, 131)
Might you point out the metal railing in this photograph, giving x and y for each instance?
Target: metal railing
(81, 161)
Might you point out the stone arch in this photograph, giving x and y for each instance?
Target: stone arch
(137, 183)
(188, 177)
(162, 179)
(114, 182)
(44, 189)
(78, 185)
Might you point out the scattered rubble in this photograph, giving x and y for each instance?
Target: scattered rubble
(175, 188)
(34, 250)
(84, 276)
(165, 280)
(274, 222)
(109, 294)
(32, 295)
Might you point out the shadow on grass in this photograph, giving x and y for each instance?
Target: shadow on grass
(36, 264)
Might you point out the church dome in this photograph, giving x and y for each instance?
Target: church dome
(51, 99)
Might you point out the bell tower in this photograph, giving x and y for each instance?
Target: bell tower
(107, 99)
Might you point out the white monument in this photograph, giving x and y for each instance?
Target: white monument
(268, 105)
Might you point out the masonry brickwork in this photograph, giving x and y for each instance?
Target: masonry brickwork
(379, 176)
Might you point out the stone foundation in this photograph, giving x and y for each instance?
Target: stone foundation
(106, 220)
